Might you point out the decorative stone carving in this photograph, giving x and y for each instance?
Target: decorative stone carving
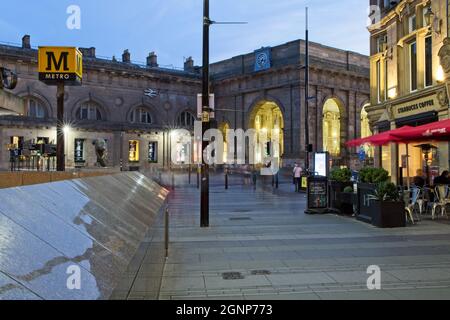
(118, 101)
(444, 55)
(442, 98)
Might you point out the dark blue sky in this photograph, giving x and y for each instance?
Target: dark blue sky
(172, 28)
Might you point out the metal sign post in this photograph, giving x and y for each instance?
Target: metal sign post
(60, 66)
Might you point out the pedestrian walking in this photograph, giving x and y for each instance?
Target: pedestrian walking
(297, 174)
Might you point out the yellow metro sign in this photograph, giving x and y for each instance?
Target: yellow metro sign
(60, 64)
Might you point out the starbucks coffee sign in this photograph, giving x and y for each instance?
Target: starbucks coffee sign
(421, 105)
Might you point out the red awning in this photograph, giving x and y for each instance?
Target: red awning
(439, 130)
(381, 138)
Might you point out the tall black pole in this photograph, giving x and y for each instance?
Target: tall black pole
(60, 139)
(204, 201)
(307, 146)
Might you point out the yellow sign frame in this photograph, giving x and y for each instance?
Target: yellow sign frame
(60, 64)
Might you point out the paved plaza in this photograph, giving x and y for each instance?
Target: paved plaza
(261, 245)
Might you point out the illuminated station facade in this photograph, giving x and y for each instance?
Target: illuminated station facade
(135, 108)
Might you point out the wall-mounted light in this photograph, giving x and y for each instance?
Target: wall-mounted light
(432, 20)
(440, 75)
(392, 93)
(66, 129)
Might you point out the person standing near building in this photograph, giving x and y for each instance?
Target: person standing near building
(297, 173)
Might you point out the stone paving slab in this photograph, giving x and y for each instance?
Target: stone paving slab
(295, 256)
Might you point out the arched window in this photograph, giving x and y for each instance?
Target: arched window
(140, 115)
(331, 128)
(186, 119)
(35, 108)
(89, 111)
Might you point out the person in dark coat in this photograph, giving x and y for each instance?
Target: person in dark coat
(419, 180)
(442, 179)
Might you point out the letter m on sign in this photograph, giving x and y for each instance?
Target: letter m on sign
(63, 60)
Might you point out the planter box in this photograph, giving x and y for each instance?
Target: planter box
(363, 203)
(347, 201)
(336, 196)
(387, 214)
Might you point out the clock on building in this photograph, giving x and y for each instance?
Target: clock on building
(263, 59)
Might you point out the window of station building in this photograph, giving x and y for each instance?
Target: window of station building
(35, 108)
(133, 151)
(79, 150)
(186, 119)
(378, 81)
(153, 152)
(332, 128)
(412, 23)
(428, 62)
(413, 66)
(89, 111)
(140, 115)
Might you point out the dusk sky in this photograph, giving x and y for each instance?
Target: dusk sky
(172, 28)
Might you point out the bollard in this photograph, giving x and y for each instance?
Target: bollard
(166, 231)
(198, 178)
(173, 181)
(226, 180)
(190, 174)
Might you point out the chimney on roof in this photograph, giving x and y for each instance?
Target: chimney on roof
(88, 52)
(189, 65)
(126, 56)
(26, 42)
(152, 60)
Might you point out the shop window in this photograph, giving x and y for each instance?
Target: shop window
(386, 160)
(153, 152)
(413, 66)
(133, 151)
(428, 62)
(141, 115)
(89, 111)
(35, 108)
(79, 150)
(331, 128)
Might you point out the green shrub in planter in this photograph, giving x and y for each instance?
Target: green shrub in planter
(373, 175)
(341, 175)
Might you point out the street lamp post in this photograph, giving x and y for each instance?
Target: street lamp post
(206, 111)
(307, 144)
(204, 201)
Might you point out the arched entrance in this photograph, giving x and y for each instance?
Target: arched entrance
(224, 127)
(267, 118)
(332, 127)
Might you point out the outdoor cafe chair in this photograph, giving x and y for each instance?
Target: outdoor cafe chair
(441, 200)
(415, 203)
(409, 208)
